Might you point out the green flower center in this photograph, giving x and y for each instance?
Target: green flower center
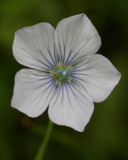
(62, 73)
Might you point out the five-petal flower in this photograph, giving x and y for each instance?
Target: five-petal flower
(65, 73)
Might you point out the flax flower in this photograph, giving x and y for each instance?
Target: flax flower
(65, 75)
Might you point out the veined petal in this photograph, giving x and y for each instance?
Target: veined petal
(76, 37)
(71, 107)
(97, 75)
(32, 92)
(34, 47)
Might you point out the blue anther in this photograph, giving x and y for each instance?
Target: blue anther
(64, 73)
(60, 71)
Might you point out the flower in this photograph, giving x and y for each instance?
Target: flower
(65, 73)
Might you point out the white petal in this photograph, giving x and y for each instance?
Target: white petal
(76, 37)
(97, 75)
(34, 46)
(71, 107)
(32, 92)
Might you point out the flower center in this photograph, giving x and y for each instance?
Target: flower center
(62, 73)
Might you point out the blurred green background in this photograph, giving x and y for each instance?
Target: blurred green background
(106, 135)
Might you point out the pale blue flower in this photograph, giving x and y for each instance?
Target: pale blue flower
(66, 75)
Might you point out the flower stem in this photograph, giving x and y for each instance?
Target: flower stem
(41, 152)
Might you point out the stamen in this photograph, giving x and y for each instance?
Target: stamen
(62, 73)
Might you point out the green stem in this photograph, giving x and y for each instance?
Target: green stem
(67, 140)
(41, 152)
